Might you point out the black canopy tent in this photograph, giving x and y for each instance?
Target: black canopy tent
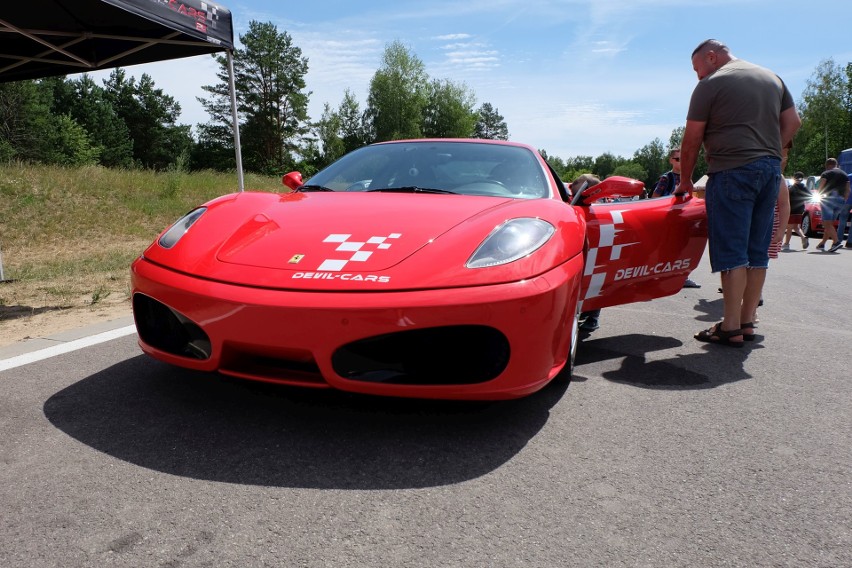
(43, 38)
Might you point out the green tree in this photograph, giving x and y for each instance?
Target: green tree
(606, 163)
(25, 119)
(214, 147)
(165, 142)
(269, 77)
(86, 102)
(29, 131)
(329, 131)
(490, 124)
(151, 119)
(557, 163)
(67, 144)
(338, 132)
(398, 95)
(700, 164)
(632, 170)
(653, 159)
(449, 111)
(676, 137)
(582, 164)
(353, 128)
(846, 132)
(825, 118)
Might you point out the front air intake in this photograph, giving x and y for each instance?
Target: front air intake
(167, 330)
(448, 355)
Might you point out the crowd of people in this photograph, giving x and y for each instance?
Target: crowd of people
(835, 202)
(744, 117)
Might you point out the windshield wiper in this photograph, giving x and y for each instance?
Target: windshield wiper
(413, 189)
(313, 188)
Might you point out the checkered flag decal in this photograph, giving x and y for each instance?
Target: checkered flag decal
(361, 251)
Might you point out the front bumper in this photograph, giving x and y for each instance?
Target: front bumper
(484, 342)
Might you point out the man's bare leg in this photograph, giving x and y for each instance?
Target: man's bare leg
(733, 290)
(829, 232)
(755, 278)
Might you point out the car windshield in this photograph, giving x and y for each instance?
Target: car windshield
(467, 168)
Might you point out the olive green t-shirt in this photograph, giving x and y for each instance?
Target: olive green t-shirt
(741, 104)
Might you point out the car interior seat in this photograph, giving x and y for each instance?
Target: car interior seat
(517, 177)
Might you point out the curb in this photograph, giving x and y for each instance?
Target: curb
(39, 343)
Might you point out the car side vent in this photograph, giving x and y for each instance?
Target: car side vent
(167, 330)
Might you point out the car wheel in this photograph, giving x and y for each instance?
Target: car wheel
(568, 370)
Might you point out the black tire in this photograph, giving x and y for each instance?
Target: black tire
(567, 372)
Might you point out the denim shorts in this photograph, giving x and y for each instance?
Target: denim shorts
(740, 209)
(830, 206)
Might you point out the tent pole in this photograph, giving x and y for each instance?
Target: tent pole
(236, 126)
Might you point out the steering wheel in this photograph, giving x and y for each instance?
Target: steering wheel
(484, 187)
(360, 185)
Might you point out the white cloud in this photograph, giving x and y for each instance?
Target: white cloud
(573, 77)
(452, 37)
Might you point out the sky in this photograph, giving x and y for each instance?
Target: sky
(571, 77)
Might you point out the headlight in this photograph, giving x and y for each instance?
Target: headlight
(510, 241)
(179, 229)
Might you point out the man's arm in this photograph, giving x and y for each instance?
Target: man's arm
(783, 211)
(790, 123)
(693, 136)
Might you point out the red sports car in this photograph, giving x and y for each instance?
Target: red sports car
(812, 218)
(436, 268)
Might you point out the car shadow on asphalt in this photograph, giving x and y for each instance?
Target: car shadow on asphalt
(709, 369)
(207, 426)
(715, 366)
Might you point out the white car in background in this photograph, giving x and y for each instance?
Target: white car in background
(812, 182)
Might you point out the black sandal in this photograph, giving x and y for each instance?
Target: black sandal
(719, 336)
(748, 336)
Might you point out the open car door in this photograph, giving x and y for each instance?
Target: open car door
(637, 249)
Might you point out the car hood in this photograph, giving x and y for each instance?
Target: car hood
(334, 241)
(335, 233)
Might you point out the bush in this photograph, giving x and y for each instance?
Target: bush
(67, 144)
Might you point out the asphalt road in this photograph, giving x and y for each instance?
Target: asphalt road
(663, 451)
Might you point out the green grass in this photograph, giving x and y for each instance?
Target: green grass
(42, 203)
(68, 235)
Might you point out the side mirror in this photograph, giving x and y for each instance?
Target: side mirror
(293, 180)
(611, 187)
